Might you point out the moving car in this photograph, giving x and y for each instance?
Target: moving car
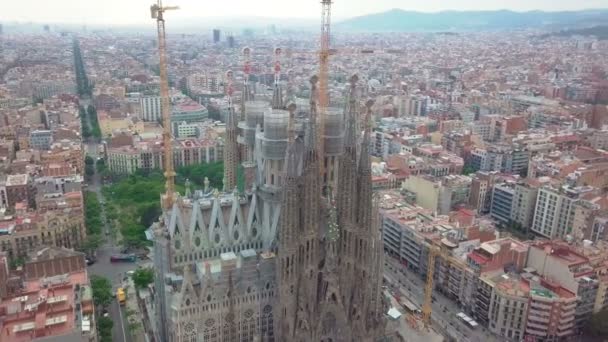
(123, 258)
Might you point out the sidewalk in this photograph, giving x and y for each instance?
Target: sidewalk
(138, 334)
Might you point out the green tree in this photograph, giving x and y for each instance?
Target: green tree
(102, 291)
(467, 170)
(91, 243)
(104, 327)
(142, 277)
(89, 170)
(100, 165)
(88, 160)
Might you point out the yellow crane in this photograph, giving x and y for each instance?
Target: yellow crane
(323, 103)
(157, 12)
(427, 305)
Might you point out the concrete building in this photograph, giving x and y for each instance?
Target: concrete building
(439, 194)
(150, 108)
(41, 139)
(550, 312)
(502, 202)
(480, 197)
(427, 191)
(187, 111)
(498, 254)
(51, 308)
(508, 306)
(502, 158)
(148, 155)
(554, 214)
(47, 88)
(114, 122)
(572, 270)
(524, 202)
(404, 230)
(19, 189)
(53, 261)
(25, 232)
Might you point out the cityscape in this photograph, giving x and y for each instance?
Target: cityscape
(326, 172)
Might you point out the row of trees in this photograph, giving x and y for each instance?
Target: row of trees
(93, 222)
(89, 123)
(102, 298)
(82, 81)
(92, 210)
(92, 115)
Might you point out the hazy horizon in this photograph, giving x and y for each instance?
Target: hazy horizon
(136, 12)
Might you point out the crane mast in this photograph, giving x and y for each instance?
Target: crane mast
(323, 101)
(157, 11)
(427, 306)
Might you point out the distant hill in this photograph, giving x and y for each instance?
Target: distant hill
(601, 32)
(397, 20)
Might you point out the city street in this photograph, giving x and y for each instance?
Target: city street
(412, 287)
(115, 272)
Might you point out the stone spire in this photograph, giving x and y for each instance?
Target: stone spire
(347, 173)
(231, 146)
(247, 92)
(277, 94)
(364, 177)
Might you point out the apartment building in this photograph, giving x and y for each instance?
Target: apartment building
(405, 229)
(524, 202)
(151, 110)
(498, 254)
(551, 310)
(571, 270)
(502, 202)
(480, 197)
(25, 232)
(41, 139)
(503, 158)
(439, 194)
(554, 214)
(53, 308)
(19, 189)
(148, 155)
(508, 305)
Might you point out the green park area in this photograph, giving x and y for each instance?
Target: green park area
(133, 202)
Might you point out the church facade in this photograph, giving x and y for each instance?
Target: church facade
(295, 256)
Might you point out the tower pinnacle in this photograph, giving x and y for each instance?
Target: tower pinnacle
(231, 147)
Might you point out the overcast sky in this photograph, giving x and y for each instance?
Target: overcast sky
(136, 11)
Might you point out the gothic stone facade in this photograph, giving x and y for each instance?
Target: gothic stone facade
(226, 271)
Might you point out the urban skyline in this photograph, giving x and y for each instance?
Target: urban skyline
(433, 177)
(115, 12)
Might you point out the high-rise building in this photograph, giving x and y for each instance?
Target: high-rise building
(554, 213)
(150, 108)
(216, 35)
(282, 261)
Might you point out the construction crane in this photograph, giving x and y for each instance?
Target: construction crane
(434, 252)
(157, 12)
(323, 102)
(427, 305)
